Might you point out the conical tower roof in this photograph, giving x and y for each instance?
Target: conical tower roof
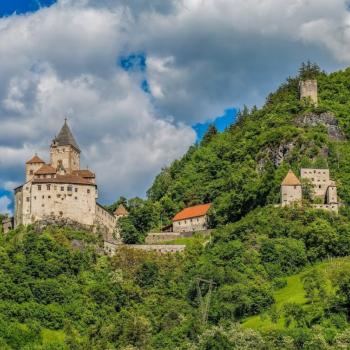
(121, 211)
(291, 180)
(66, 138)
(34, 160)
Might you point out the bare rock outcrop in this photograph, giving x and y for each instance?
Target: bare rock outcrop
(328, 120)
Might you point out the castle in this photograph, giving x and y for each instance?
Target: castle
(308, 90)
(61, 190)
(323, 189)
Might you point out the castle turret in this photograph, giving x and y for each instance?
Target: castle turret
(32, 166)
(308, 89)
(65, 152)
(291, 190)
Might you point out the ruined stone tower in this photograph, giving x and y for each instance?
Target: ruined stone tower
(308, 89)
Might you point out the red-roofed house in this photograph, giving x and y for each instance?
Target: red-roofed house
(192, 219)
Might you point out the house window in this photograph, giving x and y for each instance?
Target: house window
(48, 187)
(62, 188)
(69, 188)
(39, 187)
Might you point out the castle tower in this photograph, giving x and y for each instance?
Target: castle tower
(32, 166)
(332, 197)
(290, 189)
(308, 89)
(65, 152)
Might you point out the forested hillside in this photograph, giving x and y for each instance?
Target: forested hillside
(58, 292)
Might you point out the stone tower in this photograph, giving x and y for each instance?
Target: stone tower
(291, 189)
(308, 89)
(65, 152)
(32, 166)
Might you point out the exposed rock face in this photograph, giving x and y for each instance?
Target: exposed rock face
(328, 120)
(276, 155)
(52, 221)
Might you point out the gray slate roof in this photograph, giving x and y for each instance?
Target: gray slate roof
(66, 138)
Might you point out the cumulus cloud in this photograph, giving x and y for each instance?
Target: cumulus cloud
(202, 57)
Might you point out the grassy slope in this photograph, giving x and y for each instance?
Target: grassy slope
(294, 293)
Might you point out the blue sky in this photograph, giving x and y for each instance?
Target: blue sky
(139, 92)
(8, 7)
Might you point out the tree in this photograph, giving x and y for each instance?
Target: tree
(309, 70)
(209, 135)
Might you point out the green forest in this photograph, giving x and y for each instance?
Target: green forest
(268, 278)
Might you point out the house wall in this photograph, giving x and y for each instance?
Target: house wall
(190, 225)
(290, 194)
(319, 178)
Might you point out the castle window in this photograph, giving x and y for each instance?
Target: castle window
(39, 187)
(75, 198)
(31, 172)
(49, 197)
(70, 188)
(319, 186)
(48, 187)
(76, 189)
(88, 191)
(62, 188)
(43, 197)
(27, 199)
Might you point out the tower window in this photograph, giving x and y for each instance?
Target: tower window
(31, 172)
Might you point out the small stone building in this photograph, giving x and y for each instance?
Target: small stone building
(192, 219)
(291, 190)
(324, 189)
(308, 90)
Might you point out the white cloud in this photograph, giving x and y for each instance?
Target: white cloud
(203, 56)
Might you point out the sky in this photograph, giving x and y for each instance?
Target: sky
(141, 80)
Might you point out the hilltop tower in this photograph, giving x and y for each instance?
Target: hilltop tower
(291, 189)
(308, 89)
(65, 152)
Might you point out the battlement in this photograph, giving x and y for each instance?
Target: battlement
(308, 89)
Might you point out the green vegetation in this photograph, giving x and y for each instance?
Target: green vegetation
(274, 285)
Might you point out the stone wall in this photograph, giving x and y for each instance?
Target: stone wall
(104, 218)
(111, 249)
(67, 155)
(75, 202)
(290, 194)
(161, 237)
(308, 90)
(319, 178)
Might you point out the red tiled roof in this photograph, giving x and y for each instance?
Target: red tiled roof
(35, 159)
(46, 169)
(86, 173)
(120, 211)
(192, 212)
(65, 179)
(291, 180)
